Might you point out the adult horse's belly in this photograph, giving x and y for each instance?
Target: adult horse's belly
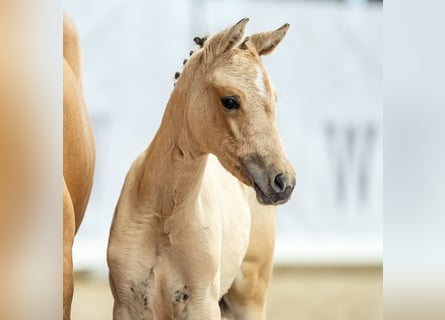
(227, 197)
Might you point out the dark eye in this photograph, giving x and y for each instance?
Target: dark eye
(230, 103)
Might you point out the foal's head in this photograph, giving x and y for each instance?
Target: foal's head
(231, 109)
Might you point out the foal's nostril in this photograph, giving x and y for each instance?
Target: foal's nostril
(279, 182)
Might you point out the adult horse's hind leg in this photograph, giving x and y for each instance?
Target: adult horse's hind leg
(68, 237)
(78, 154)
(246, 298)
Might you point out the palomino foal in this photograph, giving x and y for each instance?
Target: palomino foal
(193, 234)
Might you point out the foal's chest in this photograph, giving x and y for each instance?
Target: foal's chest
(223, 199)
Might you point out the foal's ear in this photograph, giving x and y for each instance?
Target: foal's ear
(226, 39)
(266, 42)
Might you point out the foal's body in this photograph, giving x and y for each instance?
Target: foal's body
(176, 257)
(187, 232)
(181, 256)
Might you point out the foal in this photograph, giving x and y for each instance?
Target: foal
(194, 228)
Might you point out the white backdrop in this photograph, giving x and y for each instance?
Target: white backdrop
(328, 75)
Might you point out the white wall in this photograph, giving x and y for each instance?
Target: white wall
(328, 75)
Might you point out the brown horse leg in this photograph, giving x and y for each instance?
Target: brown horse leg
(246, 298)
(68, 237)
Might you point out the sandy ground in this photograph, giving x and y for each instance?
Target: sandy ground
(295, 293)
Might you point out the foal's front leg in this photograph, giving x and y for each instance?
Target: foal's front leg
(246, 298)
(206, 310)
(195, 290)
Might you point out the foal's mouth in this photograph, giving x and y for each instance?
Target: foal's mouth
(272, 198)
(271, 186)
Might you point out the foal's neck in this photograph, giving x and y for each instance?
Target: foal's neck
(173, 164)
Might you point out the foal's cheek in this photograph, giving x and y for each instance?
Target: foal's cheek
(233, 130)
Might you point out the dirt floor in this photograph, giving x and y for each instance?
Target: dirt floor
(295, 293)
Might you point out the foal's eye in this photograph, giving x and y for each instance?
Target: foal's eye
(230, 103)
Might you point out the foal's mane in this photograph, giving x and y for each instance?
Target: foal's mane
(200, 41)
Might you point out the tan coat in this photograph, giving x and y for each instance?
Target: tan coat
(194, 229)
(78, 154)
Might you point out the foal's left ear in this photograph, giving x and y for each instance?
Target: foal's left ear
(266, 42)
